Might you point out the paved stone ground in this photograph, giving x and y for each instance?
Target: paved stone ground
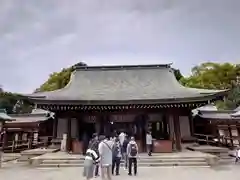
(12, 172)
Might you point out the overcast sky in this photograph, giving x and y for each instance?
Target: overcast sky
(38, 37)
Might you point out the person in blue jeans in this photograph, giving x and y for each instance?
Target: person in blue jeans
(132, 152)
(124, 151)
(117, 155)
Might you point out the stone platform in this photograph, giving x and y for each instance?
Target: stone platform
(28, 154)
(186, 158)
(208, 149)
(224, 154)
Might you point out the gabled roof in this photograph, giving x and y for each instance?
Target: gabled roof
(236, 114)
(125, 84)
(237, 109)
(4, 116)
(225, 115)
(208, 107)
(37, 115)
(28, 118)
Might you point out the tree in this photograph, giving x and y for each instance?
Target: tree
(212, 76)
(177, 74)
(58, 80)
(217, 76)
(8, 101)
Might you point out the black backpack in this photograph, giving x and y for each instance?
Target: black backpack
(133, 150)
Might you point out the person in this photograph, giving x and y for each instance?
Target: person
(85, 142)
(116, 153)
(93, 144)
(124, 151)
(91, 158)
(237, 154)
(132, 153)
(105, 152)
(149, 143)
(121, 137)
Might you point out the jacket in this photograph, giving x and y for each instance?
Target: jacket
(105, 151)
(116, 151)
(93, 144)
(129, 149)
(92, 155)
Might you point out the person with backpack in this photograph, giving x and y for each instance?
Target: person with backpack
(132, 153)
(116, 152)
(124, 151)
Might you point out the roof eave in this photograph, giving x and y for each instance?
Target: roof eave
(199, 99)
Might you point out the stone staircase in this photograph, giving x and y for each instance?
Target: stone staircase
(224, 154)
(157, 160)
(226, 158)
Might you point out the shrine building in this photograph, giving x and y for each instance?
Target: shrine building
(134, 99)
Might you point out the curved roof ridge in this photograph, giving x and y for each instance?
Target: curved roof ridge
(123, 67)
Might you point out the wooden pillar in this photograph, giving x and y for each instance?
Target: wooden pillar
(55, 127)
(4, 140)
(238, 130)
(191, 124)
(69, 138)
(230, 135)
(98, 124)
(177, 131)
(171, 131)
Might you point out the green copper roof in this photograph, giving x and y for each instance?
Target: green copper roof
(125, 84)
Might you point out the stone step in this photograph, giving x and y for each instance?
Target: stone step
(141, 157)
(166, 164)
(140, 160)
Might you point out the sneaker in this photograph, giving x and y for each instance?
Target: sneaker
(129, 174)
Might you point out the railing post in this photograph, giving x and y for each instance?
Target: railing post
(1, 153)
(13, 144)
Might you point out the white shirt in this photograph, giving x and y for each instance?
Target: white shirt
(105, 151)
(149, 139)
(121, 137)
(238, 153)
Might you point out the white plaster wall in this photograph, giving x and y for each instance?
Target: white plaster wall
(185, 127)
(62, 127)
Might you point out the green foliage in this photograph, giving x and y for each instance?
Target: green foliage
(58, 80)
(217, 76)
(8, 101)
(178, 74)
(212, 76)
